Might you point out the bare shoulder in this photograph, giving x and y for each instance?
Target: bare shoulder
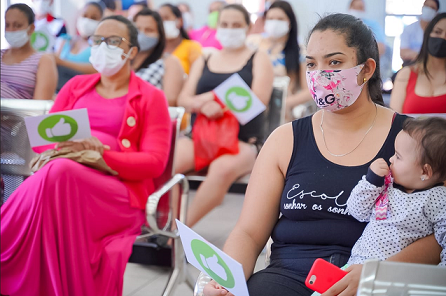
(404, 74)
(47, 59)
(172, 60)
(279, 146)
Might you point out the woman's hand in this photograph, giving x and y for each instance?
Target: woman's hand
(212, 110)
(214, 289)
(201, 100)
(92, 143)
(348, 285)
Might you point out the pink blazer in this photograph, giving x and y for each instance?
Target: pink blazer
(144, 137)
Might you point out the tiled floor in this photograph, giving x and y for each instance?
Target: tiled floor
(142, 280)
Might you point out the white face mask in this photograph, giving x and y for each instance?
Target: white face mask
(108, 61)
(86, 26)
(146, 42)
(231, 38)
(171, 30)
(41, 7)
(427, 13)
(276, 28)
(17, 39)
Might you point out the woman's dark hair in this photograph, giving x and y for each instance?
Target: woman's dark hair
(176, 11)
(159, 48)
(359, 36)
(25, 9)
(133, 32)
(423, 56)
(430, 134)
(291, 50)
(99, 5)
(240, 8)
(438, 4)
(110, 4)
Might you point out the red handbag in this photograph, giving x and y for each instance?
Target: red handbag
(214, 138)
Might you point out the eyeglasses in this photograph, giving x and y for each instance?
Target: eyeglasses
(111, 41)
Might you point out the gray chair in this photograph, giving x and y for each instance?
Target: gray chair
(163, 206)
(380, 278)
(16, 152)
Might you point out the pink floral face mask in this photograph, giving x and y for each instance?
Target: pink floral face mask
(334, 90)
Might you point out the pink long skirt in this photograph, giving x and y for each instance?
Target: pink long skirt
(68, 230)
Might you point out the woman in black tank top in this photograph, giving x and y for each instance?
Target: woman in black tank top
(306, 170)
(207, 73)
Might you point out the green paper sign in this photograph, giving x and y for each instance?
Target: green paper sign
(238, 99)
(212, 263)
(40, 41)
(57, 128)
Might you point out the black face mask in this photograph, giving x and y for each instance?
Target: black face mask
(437, 47)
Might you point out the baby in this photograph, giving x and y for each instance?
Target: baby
(414, 204)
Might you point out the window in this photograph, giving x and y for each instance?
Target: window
(399, 14)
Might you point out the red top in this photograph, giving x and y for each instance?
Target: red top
(143, 138)
(416, 104)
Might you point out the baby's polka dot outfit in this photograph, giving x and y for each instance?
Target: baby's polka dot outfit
(410, 216)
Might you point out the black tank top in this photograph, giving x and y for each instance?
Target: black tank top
(314, 199)
(210, 80)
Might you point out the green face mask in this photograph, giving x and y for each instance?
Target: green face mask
(213, 20)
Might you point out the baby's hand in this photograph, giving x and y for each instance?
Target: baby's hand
(380, 167)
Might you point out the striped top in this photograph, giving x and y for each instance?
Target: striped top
(18, 81)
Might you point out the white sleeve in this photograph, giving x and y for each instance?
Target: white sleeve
(435, 211)
(362, 200)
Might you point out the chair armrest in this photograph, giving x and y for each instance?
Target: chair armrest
(154, 198)
(202, 280)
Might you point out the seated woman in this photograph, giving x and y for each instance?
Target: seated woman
(178, 42)
(421, 88)
(73, 53)
(26, 73)
(280, 42)
(76, 225)
(307, 169)
(161, 69)
(197, 96)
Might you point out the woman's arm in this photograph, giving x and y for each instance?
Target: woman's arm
(263, 194)
(194, 52)
(424, 251)
(154, 145)
(46, 78)
(263, 77)
(187, 98)
(173, 79)
(398, 95)
(84, 68)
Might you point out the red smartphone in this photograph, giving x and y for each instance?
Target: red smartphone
(323, 275)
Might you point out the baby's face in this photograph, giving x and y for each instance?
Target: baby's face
(405, 166)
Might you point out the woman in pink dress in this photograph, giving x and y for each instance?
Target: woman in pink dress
(68, 230)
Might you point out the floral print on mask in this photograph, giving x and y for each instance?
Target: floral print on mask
(334, 90)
